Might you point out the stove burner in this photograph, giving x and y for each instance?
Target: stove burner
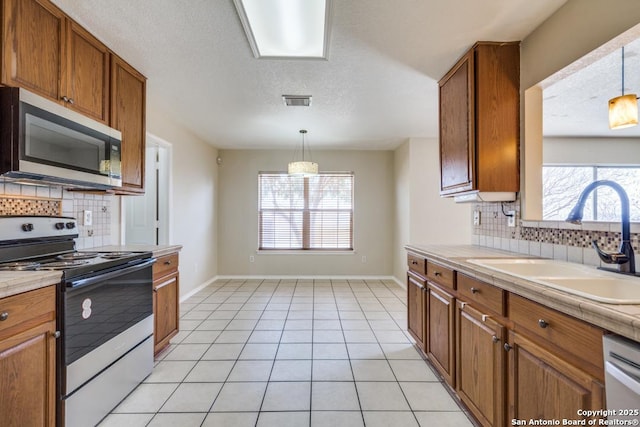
(77, 256)
(19, 266)
(114, 255)
(61, 265)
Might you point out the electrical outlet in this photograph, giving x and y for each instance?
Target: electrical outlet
(364, 258)
(476, 217)
(511, 218)
(87, 217)
(252, 258)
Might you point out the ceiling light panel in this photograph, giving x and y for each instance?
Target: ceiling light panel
(286, 28)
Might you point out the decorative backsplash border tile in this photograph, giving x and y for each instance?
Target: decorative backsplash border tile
(29, 206)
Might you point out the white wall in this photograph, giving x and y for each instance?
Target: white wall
(422, 216)
(589, 151)
(194, 200)
(238, 215)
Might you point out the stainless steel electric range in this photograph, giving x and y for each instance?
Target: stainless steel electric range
(104, 313)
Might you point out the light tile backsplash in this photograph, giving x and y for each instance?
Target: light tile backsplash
(16, 199)
(548, 239)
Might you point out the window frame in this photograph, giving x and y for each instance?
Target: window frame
(306, 218)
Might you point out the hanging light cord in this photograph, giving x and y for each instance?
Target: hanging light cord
(622, 71)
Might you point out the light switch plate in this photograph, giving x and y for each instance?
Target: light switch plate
(87, 217)
(476, 217)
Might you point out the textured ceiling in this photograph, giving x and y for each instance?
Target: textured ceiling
(578, 105)
(377, 88)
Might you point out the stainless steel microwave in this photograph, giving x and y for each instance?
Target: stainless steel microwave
(42, 141)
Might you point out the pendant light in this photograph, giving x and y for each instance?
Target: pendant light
(303, 167)
(623, 109)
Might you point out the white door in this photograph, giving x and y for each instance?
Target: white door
(147, 217)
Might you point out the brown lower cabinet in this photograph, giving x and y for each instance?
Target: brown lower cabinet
(440, 317)
(166, 297)
(480, 364)
(27, 358)
(506, 357)
(416, 289)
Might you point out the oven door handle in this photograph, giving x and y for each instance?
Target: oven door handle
(75, 284)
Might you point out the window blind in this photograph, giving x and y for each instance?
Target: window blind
(306, 212)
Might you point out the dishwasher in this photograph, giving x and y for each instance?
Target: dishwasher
(622, 377)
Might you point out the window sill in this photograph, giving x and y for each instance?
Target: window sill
(303, 252)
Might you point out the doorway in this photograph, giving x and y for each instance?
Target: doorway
(147, 217)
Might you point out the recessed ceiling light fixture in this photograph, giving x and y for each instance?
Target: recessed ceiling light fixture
(286, 28)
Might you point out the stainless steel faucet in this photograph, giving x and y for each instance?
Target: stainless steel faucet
(624, 257)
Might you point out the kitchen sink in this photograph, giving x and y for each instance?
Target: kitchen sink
(577, 279)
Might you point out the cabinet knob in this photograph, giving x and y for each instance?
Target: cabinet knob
(543, 323)
(71, 101)
(4, 316)
(438, 274)
(167, 263)
(474, 290)
(64, 98)
(414, 262)
(56, 334)
(495, 338)
(507, 347)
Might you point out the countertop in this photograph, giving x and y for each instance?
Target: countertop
(620, 319)
(158, 250)
(16, 282)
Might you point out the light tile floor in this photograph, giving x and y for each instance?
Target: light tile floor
(291, 353)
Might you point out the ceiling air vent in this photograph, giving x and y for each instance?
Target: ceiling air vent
(297, 100)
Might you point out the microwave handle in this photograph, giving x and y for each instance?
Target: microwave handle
(81, 283)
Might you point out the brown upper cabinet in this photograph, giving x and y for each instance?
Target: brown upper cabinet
(128, 88)
(479, 121)
(47, 53)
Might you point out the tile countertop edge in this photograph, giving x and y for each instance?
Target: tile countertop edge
(611, 317)
(17, 282)
(158, 250)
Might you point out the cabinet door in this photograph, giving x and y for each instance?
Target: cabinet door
(166, 310)
(457, 128)
(127, 115)
(27, 377)
(87, 82)
(415, 309)
(440, 333)
(33, 43)
(542, 385)
(480, 369)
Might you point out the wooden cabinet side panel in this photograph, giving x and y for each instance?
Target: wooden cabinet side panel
(441, 318)
(542, 385)
(498, 116)
(457, 128)
(27, 377)
(480, 370)
(88, 74)
(33, 46)
(128, 88)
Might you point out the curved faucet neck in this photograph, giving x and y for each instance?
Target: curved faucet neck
(624, 204)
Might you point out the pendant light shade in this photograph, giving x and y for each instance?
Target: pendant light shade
(623, 109)
(303, 167)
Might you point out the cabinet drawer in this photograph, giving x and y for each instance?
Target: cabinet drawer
(165, 265)
(417, 264)
(570, 334)
(23, 307)
(441, 275)
(482, 293)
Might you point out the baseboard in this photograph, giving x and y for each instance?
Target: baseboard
(400, 283)
(306, 277)
(191, 293)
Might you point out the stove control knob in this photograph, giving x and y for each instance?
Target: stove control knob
(71, 225)
(59, 225)
(27, 227)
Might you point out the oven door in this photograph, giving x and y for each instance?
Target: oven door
(107, 346)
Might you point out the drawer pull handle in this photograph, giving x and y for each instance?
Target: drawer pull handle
(414, 262)
(56, 334)
(495, 338)
(474, 290)
(507, 347)
(543, 323)
(167, 263)
(438, 274)
(4, 316)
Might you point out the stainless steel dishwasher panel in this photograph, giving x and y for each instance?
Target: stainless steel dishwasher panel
(622, 377)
